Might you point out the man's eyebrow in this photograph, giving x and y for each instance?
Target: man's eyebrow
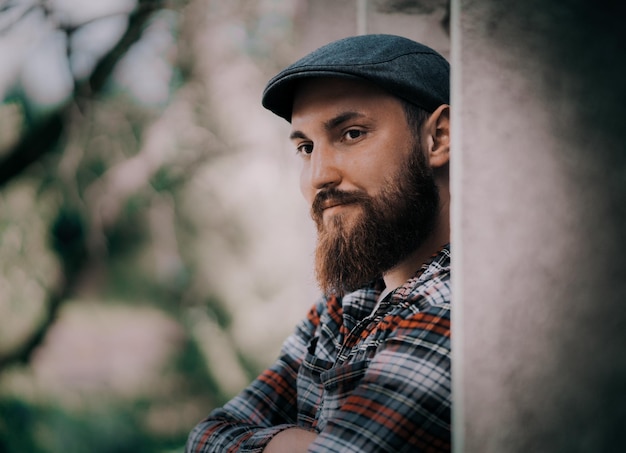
(330, 124)
(297, 134)
(341, 118)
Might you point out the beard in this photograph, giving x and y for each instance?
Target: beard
(351, 253)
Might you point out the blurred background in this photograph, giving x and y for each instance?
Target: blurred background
(154, 247)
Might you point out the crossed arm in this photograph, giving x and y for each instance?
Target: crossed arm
(401, 403)
(292, 440)
(265, 412)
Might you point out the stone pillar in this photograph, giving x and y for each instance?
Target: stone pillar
(539, 191)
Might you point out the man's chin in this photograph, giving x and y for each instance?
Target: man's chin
(343, 217)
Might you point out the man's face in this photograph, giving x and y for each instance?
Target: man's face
(372, 194)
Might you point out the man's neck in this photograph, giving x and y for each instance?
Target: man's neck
(398, 275)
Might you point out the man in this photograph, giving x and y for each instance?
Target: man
(369, 368)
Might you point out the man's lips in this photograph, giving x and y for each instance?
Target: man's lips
(332, 203)
(332, 198)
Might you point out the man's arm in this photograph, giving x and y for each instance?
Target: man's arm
(292, 440)
(264, 409)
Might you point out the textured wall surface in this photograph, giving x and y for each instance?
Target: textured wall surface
(540, 227)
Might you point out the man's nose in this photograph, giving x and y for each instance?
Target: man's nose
(325, 171)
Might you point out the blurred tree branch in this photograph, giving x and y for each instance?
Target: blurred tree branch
(136, 22)
(23, 352)
(46, 134)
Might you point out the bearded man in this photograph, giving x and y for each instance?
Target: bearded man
(368, 369)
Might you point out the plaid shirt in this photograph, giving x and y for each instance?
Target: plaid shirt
(366, 382)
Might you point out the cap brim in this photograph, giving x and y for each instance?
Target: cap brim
(279, 94)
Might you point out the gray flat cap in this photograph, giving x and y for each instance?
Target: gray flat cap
(403, 67)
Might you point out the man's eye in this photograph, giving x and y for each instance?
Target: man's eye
(353, 134)
(305, 148)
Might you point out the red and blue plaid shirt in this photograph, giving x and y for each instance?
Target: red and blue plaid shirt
(365, 381)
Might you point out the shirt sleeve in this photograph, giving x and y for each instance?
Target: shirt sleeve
(402, 402)
(266, 407)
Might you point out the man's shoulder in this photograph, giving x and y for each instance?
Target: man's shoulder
(440, 261)
(431, 286)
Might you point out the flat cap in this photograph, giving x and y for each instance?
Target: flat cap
(404, 68)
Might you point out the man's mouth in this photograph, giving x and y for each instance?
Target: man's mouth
(333, 198)
(333, 203)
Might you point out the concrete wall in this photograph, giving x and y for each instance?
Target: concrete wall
(540, 226)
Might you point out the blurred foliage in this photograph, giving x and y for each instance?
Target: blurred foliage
(140, 275)
(42, 429)
(104, 122)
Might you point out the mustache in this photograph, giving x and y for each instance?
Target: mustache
(335, 196)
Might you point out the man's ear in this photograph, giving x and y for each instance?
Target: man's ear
(438, 136)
